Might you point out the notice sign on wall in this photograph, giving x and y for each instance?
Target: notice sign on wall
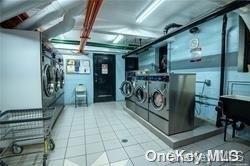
(78, 66)
(195, 50)
(104, 68)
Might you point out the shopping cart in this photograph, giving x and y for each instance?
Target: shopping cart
(25, 127)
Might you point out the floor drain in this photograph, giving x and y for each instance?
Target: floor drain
(124, 140)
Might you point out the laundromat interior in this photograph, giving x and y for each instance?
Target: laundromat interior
(124, 82)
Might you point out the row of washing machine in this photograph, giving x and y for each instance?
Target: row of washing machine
(166, 101)
(52, 80)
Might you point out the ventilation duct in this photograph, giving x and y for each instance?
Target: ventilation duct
(54, 11)
(12, 8)
(64, 26)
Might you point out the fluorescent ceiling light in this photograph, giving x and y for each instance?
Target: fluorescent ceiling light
(148, 10)
(118, 38)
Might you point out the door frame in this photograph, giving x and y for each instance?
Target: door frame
(114, 76)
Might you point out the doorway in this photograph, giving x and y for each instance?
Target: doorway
(104, 78)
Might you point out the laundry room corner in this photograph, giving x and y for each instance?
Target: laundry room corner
(72, 80)
(124, 82)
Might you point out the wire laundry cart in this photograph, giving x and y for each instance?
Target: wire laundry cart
(25, 127)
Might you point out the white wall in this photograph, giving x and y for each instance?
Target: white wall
(20, 69)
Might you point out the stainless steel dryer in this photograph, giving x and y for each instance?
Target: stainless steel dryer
(127, 89)
(59, 85)
(171, 102)
(141, 95)
(48, 81)
(52, 80)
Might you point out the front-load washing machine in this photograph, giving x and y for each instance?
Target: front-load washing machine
(141, 95)
(171, 102)
(127, 89)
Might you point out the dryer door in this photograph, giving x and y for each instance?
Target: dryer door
(57, 80)
(48, 80)
(61, 78)
(140, 94)
(158, 100)
(127, 89)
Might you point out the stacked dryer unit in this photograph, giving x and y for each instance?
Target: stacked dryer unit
(141, 95)
(127, 89)
(172, 102)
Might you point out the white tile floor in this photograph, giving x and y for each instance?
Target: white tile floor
(93, 135)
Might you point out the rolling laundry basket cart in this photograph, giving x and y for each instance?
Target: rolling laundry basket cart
(25, 127)
(81, 95)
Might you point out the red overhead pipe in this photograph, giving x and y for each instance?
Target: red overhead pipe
(93, 8)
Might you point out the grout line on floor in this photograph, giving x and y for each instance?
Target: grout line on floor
(85, 145)
(121, 144)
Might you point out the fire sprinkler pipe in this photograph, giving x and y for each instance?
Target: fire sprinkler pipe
(93, 8)
(89, 21)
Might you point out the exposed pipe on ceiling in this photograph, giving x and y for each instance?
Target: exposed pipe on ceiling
(54, 11)
(93, 44)
(169, 26)
(12, 8)
(93, 8)
(216, 13)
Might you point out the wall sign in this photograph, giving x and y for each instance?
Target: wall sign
(77, 66)
(195, 50)
(104, 68)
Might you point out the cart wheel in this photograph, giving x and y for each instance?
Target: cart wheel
(16, 149)
(51, 144)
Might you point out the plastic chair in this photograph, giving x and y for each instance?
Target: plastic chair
(81, 95)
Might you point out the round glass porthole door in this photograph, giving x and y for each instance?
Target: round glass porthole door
(140, 95)
(49, 80)
(127, 89)
(158, 100)
(57, 80)
(61, 78)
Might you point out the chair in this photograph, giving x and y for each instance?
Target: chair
(81, 95)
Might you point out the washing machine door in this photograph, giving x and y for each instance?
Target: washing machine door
(48, 80)
(57, 80)
(158, 100)
(127, 89)
(62, 79)
(140, 94)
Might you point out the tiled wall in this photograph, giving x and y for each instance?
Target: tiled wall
(72, 80)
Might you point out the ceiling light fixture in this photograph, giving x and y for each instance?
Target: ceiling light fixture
(148, 11)
(118, 38)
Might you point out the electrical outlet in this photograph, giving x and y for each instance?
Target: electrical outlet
(208, 82)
